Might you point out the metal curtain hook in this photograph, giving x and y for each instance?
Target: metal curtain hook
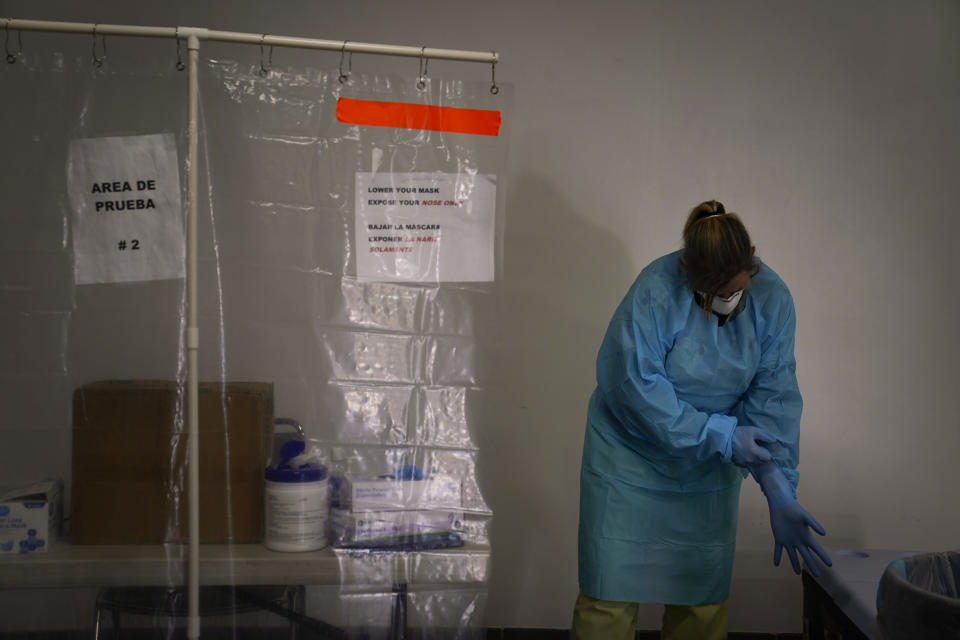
(494, 89)
(98, 60)
(424, 61)
(12, 57)
(180, 65)
(264, 70)
(343, 77)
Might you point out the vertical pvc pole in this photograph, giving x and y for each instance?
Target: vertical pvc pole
(193, 345)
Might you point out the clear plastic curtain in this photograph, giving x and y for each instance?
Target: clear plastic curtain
(384, 376)
(60, 338)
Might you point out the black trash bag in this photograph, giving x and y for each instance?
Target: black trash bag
(919, 598)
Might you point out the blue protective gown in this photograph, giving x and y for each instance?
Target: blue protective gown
(658, 494)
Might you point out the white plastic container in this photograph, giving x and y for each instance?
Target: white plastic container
(296, 503)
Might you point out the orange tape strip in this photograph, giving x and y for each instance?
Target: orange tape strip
(418, 116)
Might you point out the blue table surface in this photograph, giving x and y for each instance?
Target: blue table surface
(853, 580)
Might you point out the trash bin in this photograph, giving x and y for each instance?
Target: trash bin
(919, 597)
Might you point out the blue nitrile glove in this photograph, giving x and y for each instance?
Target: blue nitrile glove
(408, 472)
(746, 446)
(790, 522)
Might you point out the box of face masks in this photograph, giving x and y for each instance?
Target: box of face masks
(392, 528)
(29, 517)
(385, 493)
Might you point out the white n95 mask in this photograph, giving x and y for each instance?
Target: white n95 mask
(725, 306)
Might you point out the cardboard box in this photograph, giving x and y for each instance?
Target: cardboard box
(130, 477)
(30, 517)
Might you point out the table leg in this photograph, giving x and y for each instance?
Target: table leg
(398, 627)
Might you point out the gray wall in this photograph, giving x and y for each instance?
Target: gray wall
(830, 127)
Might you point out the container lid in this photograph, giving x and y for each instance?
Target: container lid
(285, 472)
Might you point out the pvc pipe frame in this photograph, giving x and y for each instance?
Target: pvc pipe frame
(193, 343)
(193, 36)
(489, 57)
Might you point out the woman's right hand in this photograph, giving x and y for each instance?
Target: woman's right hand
(747, 446)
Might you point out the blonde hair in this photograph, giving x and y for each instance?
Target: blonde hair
(716, 248)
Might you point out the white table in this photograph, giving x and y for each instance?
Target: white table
(67, 565)
(844, 597)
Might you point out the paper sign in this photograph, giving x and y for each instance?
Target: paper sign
(127, 218)
(425, 227)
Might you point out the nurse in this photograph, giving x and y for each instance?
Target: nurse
(696, 388)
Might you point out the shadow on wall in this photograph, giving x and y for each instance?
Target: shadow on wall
(563, 277)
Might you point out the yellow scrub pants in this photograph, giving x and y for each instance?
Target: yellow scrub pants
(605, 620)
